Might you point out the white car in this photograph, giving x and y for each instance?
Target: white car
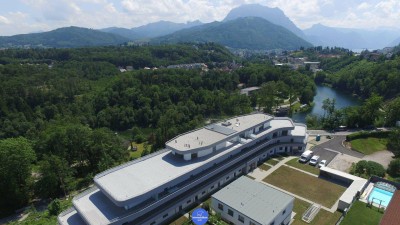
(322, 163)
(314, 160)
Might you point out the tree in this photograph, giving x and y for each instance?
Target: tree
(16, 157)
(368, 168)
(394, 168)
(55, 177)
(394, 142)
(371, 108)
(54, 207)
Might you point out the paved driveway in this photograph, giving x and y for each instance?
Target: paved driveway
(324, 154)
(335, 145)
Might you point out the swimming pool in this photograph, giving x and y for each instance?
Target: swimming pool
(378, 194)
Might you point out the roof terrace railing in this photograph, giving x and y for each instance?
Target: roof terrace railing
(219, 121)
(130, 163)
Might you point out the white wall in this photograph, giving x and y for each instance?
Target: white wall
(204, 152)
(187, 156)
(221, 145)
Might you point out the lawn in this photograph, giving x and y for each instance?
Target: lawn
(272, 161)
(369, 145)
(136, 154)
(303, 166)
(264, 167)
(323, 217)
(310, 187)
(360, 214)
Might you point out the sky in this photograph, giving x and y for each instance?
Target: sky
(27, 16)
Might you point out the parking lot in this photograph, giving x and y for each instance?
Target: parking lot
(325, 154)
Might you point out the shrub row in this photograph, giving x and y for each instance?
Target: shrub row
(366, 134)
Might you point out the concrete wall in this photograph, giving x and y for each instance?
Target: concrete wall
(204, 152)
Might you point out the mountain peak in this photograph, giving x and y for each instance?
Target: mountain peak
(273, 15)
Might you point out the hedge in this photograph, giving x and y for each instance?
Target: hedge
(366, 134)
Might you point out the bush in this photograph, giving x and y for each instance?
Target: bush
(394, 168)
(367, 169)
(54, 207)
(365, 134)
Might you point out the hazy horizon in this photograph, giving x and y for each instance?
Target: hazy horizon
(29, 16)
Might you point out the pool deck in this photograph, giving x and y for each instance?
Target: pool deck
(365, 196)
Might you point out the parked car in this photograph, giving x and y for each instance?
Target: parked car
(314, 160)
(322, 163)
(306, 156)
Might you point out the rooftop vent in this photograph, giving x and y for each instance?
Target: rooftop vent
(226, 123)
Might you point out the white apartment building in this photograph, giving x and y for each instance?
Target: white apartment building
(155, 188)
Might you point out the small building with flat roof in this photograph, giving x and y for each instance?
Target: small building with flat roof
(246, 201)
(248, 91)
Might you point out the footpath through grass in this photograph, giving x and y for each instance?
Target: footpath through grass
(369, 145)
(323, 217)
(272, 161)
(306, 186)
(360, 214)
(303, 166)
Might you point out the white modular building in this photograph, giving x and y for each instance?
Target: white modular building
(249, 202)
(156, 188)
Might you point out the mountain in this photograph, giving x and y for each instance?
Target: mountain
(67, 37)
(151, 30)
(350, 38)
(252, 33)
(395, 42)
(273, 15)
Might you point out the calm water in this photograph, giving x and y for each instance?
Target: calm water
(342, 100)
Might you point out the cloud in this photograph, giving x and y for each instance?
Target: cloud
(4, 20)
(51, 14)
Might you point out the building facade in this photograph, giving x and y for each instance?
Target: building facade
(155, 188)
(249, 202)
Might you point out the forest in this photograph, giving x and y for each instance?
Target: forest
(70, 112)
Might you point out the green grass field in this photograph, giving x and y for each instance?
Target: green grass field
(369, 145)
(303, 166)
(360, 214)
(136, 154)
(264, 167)
(312, 188)
(323, 217)
(272, 161)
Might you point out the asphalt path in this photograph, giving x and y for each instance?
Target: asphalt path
(335, 145)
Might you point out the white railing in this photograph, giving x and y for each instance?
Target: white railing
(129, 163)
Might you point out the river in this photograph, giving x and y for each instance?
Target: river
(323, 92)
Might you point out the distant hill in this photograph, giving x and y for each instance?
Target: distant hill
(395, 42)
(67, 37)
(273, 15)
(151, 30)
(349, 38)
(252, 33)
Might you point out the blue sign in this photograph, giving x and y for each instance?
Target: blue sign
(200, 216)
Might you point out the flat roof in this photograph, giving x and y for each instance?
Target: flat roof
(206, 136)
(356, 186)
(299, 130)
(257, 201)
(145, 174)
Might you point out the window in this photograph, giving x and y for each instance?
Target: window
(154, 222)
(284, 133)
(273, 223)
(203, 192)
(188, 201)
(284, 211)
(220, 206)
(165, 215)
(212, 187)
(252, 223)
(227, 178)
(230, 212)
(241, 218)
